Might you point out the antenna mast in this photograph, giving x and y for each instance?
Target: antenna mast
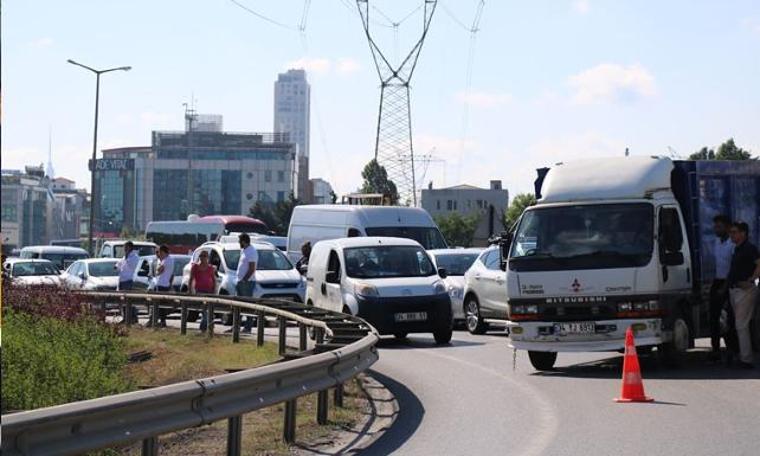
(393, 143)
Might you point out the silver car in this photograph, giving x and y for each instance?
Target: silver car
(145, 274)
(26, 272)
(92, 274)
(485, 291)
(456, 262)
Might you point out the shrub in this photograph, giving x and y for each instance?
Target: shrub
(48, 360)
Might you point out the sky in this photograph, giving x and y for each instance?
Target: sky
(549, 81)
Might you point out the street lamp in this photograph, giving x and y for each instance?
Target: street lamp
(95, 143)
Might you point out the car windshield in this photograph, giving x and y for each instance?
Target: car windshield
(142, 250)
(34, 269)
(585, 237)
(179, 265)
(269, 260)
(456, 264)
(429, 237)
(388, 261)
(103, 269)
(62, 260)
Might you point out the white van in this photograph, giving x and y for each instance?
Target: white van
(390, 282)
(319, 222)
(61, 256)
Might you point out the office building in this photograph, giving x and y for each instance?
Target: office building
(27, 207)
(191, 172)
(292, 95)
(321, 191)
(69, 209)
(489, 204)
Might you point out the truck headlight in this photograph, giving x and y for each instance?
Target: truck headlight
(366, 290)
(625, 307)
(524, 309)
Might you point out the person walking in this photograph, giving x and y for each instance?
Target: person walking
(126, 267)
(246, 273)
(302, 265)
(203, 280)
(745, 269)
(164, 277)
(723, 250)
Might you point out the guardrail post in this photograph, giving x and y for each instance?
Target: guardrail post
(301, 336)
(338, 398)
(153, 313)
(235, 325)
(261, 323)
(127, 311)
(234, 435)
(320, 335)
(104, 309)
(183, 319)
(322, 407)
(283, 323)
(289, 430)
(210, 319)
(150, 446)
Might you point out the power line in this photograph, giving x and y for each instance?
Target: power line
(262, 17)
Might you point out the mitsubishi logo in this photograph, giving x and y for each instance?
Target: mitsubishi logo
(576, 286)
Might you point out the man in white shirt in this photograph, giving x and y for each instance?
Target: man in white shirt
(246, 273)
(164, 277)
(126, 267)
(723, 250)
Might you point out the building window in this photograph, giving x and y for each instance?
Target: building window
(438, 205)
(280, 176)
(268, 176)
(469, 204)
(449, 205)
(280, 197)
(249, 175)
(249, 196)
(455, 204)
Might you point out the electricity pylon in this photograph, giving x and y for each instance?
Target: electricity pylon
(393, 144)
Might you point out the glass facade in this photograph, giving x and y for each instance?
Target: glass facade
(10, 205)
(111, 198)
(215, 191)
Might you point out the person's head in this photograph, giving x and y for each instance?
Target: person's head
(245, 240)
(721, 224)
(739, 232)
(203, 257)
(128, 247)
(163, 251)
(306, 249)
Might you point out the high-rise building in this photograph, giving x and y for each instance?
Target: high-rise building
(292, 95)
(27, 207)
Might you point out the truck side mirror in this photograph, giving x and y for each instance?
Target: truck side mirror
(504, 244)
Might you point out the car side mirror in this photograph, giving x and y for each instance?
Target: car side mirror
(442, 273)
(673, 259)
(81, 275)
(331, 277)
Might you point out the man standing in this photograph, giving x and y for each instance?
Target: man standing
(126, 267)
(302, 265)
(745, 269)
(246, 273)
(165, 274)
(723, 250)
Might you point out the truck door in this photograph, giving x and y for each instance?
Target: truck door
(673, 252)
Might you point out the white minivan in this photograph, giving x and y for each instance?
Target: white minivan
(318, 222)
(390, 282)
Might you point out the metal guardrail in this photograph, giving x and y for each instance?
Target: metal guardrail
(79, 427)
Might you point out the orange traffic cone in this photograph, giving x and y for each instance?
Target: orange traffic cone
(633, 387)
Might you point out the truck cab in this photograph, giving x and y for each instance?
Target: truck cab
(604, 249)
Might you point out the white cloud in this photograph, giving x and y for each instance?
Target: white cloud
(319, 65)
(610, 82)
(347, 65)
(482, 99)
(581, 6)
(41, 42)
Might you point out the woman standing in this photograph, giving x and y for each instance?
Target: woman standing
(203, 280)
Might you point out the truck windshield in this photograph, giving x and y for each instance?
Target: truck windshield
(388, 261)
(429, 237)
(584, 237)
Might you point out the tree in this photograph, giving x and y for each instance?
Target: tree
(275, 215)
(726, 151)
(459, 230)
(376, 181)
(516, 208)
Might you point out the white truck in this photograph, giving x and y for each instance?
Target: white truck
(617, 243)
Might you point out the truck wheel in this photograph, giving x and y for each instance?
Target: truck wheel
(473, 321)
(542, 361)
(443, 336)
(670, 354)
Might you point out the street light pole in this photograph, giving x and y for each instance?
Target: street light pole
(91, 246)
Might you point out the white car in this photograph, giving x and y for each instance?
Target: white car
(92, 274)
(115, 249)
(485, 291)
(390, 282)
(276, 277)
(456, 262)
(31, 272)
(145, 273)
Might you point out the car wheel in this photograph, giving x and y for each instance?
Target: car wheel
(670, 354)
(442, 336)
(473, 321)
(193, 316)
(542, 361)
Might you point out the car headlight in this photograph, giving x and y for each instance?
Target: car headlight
(439, 287)
(366, 290)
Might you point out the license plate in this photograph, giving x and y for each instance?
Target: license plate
(411, 316)
(576, 328)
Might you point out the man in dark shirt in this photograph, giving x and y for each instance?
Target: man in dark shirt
(745, 269)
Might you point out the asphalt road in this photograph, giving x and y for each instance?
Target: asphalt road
(466, 399)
